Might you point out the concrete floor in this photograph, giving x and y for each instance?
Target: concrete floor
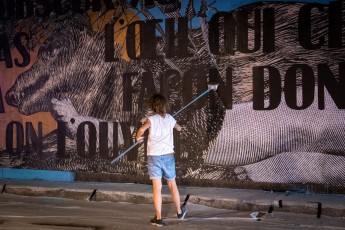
(35, 213)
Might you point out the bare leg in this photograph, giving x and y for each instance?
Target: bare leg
(175, 195)
(157, 197)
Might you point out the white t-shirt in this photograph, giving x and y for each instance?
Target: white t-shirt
(161, 139)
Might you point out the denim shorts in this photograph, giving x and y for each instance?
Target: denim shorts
(161, 166)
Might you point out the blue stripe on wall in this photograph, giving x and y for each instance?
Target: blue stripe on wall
(29, 174)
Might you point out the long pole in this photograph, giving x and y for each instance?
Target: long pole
(197, 98)
(175, 114)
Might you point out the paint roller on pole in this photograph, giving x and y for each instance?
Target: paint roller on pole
(210, 87)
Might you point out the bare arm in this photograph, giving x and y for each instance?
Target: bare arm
(142, 129)
(178, 127)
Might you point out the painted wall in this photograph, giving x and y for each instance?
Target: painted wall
(75, 75)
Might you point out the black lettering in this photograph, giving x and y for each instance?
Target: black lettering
(268, 33)
(229, 33)
(127, 91)
(194, 78)
(308, 86)
(243, 28)
(147, 89)
(213, 32)
(19, 137)
(335, 25)
(147, 47)
(109, 43)
(304, 27)
(224, 90)
(22, 49)
(92, 134)
(169, 37)
(115, 138)
(164, 83)
(5, 50)
(103, 140)
(182, 36)
(148, 39)
(259, 91)
(335, 88)
(33, 141)
(171, 83)
(170, 77)
(131, 39)
(61, 139)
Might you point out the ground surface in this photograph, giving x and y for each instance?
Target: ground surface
(36, 213)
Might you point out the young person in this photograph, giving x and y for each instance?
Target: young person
(160, 151)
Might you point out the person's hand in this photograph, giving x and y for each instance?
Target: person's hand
(140, 139)
(180, 128)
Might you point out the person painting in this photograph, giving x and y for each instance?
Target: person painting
(160, 151)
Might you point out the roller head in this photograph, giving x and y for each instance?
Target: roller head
(212, 86)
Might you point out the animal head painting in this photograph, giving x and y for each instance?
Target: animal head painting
(71, 79)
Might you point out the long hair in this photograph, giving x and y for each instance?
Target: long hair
(158, 104)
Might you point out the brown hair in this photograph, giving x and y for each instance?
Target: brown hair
(158, 104)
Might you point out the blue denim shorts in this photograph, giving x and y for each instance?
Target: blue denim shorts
(161, 166)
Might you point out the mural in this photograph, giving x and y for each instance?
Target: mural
(75, 76)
